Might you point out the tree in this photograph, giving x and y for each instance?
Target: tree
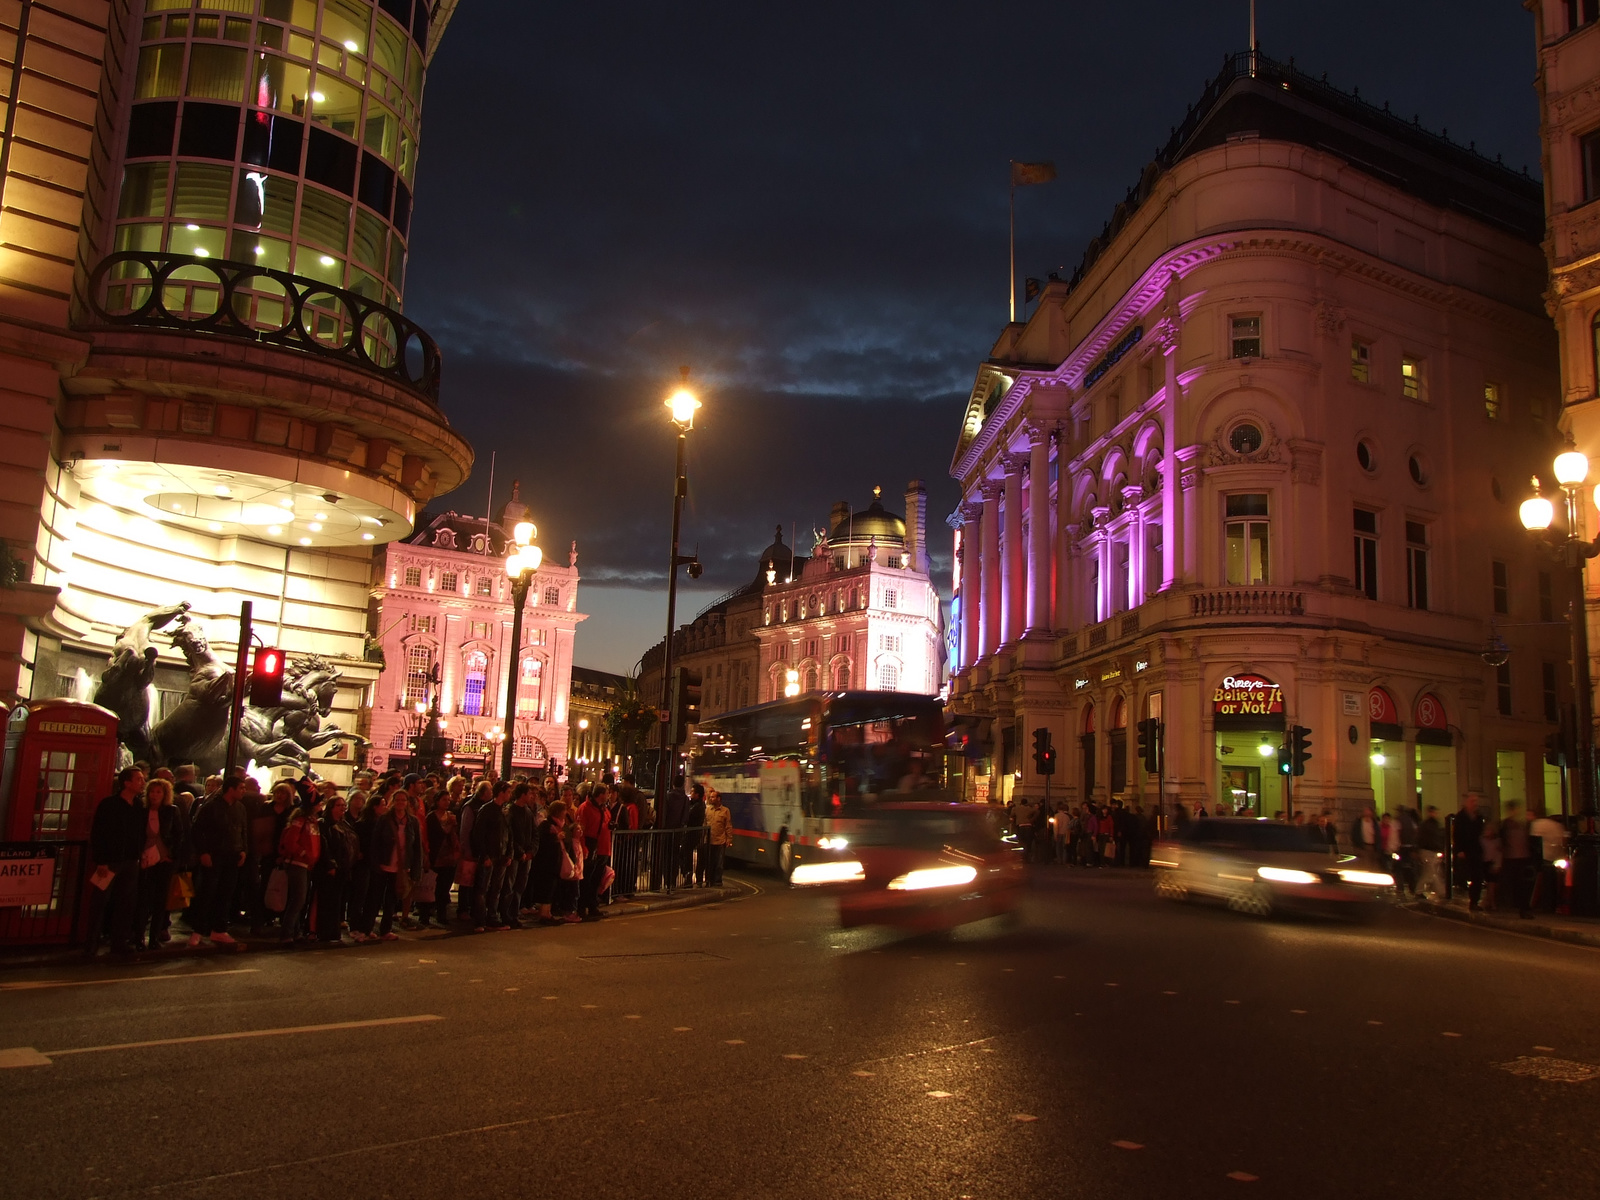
(628, 720)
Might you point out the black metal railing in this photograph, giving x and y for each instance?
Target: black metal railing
(242, 300)
(60, 921)
(654, 860)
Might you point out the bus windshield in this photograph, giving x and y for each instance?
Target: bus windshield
(876, 748)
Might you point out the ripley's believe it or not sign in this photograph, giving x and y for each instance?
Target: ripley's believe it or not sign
(1247, 696)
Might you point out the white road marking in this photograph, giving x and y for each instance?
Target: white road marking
(734, 1042)
(795, 1057)
(863, 1074)
(41, 1058)
(941, 1095)
(35, 985)
(1447, 1033)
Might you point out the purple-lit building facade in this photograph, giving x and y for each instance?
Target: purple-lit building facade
(441, 612)
(1257, 464)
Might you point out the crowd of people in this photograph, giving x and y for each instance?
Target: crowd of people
(311, 862)
(1509, 863)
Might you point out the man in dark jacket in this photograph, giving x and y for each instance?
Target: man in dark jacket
(1467, 835)
(219, 842)
(491, 846)
(524, 823)
(115, 842)
(694, 821)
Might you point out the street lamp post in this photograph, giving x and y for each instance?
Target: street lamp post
(682, 404)
(521, 563)
(1537, 514)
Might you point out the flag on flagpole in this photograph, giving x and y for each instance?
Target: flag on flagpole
(1023, 173)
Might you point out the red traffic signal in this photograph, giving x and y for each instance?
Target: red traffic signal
(266, 678)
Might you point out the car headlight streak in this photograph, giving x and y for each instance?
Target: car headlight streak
(812, 874)
(933, 877)
(1367, 878)
(1286, 875)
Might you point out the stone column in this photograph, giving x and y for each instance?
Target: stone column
(992, 572)
(1189, 530)
(1014, 566)
(967, 518)
(1039, 540)
(1167, 334)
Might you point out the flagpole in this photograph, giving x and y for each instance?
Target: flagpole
(488, 512)
(1252, 37)
(1012, 294)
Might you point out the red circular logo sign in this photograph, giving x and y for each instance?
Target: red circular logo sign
(1430, 712)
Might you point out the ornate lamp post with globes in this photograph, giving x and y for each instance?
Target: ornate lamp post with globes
(521, 563)
(1571, 468)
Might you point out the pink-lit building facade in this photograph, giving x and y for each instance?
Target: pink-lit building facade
(441, 612)
(1257, 465)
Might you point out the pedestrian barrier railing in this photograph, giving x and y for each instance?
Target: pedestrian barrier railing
(654, 860)
(57, 922)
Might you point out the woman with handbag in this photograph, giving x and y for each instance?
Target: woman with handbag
(445, 849)
(163, 842)
(565, 901)
(548, 859)
(340, 849)
(299, 849)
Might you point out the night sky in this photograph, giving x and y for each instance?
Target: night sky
(807, 204)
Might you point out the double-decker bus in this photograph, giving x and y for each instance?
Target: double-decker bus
(798, 776)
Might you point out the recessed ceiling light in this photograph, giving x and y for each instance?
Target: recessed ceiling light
(201, 252)
(223, 489)
(191, 228)
(366, 537)
(286, 502)
(350, 45)
(315, 527)
(322, 516)
(261, 249)
(318, 97)
(305, 541)
(215, 527)
(177, 508)
(274, 530)
(327, 260)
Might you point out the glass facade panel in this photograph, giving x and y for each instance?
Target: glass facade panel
(160, 69)
(216, 72)
(144, 191)
(324, 219)
(280, 84)
(336, 104)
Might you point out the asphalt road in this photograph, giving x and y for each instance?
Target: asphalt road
(1108, 1044)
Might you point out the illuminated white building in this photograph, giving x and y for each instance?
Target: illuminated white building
(442, 616)
(862, 613)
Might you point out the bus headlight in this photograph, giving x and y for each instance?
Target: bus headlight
(933, 877)
(812, 874)
(832, 843)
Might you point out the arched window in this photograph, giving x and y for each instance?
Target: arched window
(1088, 719)
(419, 665)
(841, 677)
(888, 677)
(811, 679)
(529, 749)
(477, 664)
(1119, 714)
(531, 687)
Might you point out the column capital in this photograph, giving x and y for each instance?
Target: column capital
(1165, 334)
(1038, 432)
(966, 513)
(1015, 464)
(992, 489)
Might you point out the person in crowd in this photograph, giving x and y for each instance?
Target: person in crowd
(166, 838)
(1364, 837)
(625, 820)
(1468, 840)
(694, 820)
(719, 836)
(364, 819)
(1516, 860)
(467, 868)
(187, 788)
(1494, 895)
(594, 822)
(340, 848)
(524, 821)
(299, 850)
(220, 841)
(1552, 837)
(407, 883)
(546, 872)
(116, 841)
(1388, 845)
(394, 852)
(444, 849)
(491, 846)
(1429, 853)
(1409, 822)
(564, 903)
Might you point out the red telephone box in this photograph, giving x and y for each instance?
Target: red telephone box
(61, 761)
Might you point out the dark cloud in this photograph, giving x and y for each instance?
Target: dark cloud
(807, 203)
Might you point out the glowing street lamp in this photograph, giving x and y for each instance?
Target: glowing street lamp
(682, 404)
(522, 561)
(791, 685)
(1571, 469)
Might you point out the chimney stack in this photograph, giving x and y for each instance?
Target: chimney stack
(841, 510)
(916, 526)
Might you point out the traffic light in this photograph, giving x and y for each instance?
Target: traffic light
(1044, 754)
(1285, 763)
(1299, 748)
(685, 703)
(1151, 733)
(266, 678)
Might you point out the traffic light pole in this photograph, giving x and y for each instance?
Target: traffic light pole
(241, 671)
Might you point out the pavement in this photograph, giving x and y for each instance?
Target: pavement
(1583, 931)
(1104, 1044)
(18, 957)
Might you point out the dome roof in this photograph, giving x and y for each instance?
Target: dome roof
(874, 521)
(777, 554)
